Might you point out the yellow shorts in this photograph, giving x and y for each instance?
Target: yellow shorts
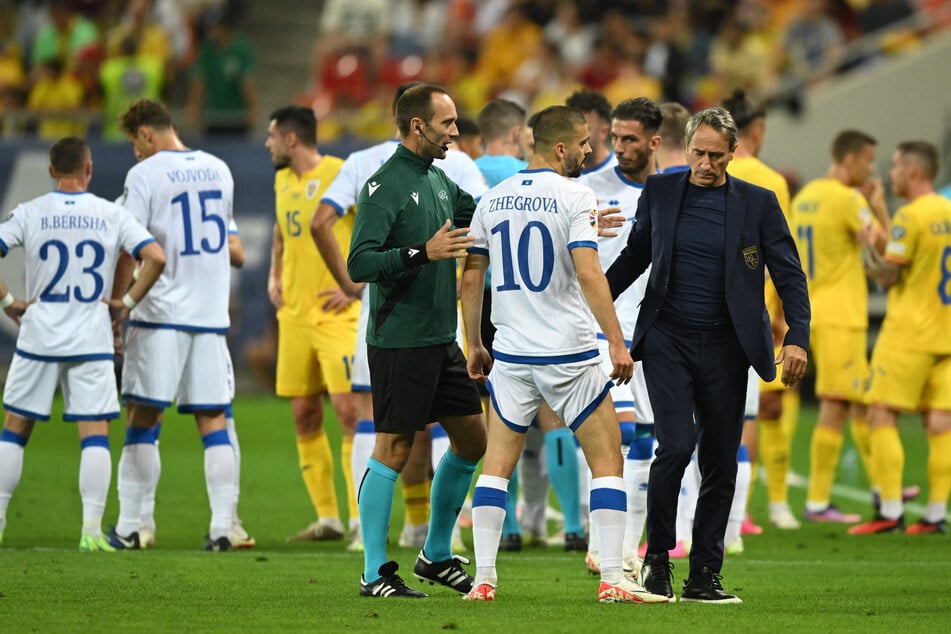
(908, 380)
(776, 385)
(314, 359)
(841, 356)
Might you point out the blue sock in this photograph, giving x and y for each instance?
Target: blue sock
(510, 524)
(375, 501)
(562, 459)
(450, 485)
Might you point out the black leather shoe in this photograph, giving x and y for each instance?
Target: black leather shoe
(511, 543)
(657, 575)
(576, 542)
(704, 587)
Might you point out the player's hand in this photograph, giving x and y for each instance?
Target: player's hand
(354, 289)
(446, 244)
(118, 311)
(608, 219)
(479, 363)
(15, 310)
(335, 300)
(275, 293)
(794, 360)
(874, 192)
(622, 362)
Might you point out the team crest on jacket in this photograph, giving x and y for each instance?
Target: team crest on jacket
(751, 257)
(312, 187)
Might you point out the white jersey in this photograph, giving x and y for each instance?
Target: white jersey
(185, 198)
(527, 225)
(614, 190)
(359, 166)
(72, 243)
(603, 166)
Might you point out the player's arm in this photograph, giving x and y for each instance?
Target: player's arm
(478, 360)
(636, 255)
(153, 263)
(884, 271)
(594, 285)
(235, 250)
(274, 289)
(14, 308)
(321, 230)
(874, 192)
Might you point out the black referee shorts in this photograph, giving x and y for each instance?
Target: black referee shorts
(415, 386)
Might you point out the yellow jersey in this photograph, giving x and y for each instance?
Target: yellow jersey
(827, 215)
(753, 170)
(304, 273)
(919, 304)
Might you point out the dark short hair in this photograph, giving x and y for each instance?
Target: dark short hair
(590, 101)
(640, 109)
(145, 112)
(556, 124)
(498, 117)
(923, 153)
(673, 128)
(400, 90)
(68, 155)
(850, 142)
(532, 119)
(467, 127)
(416, 103)
(297, 119)
(742, 109)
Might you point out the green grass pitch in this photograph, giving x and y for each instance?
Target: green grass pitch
(815, 579)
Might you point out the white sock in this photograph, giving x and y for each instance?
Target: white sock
(935, 512)
(687, 503)
(233, 439)
(95, 475)
(488, 514)
(584, 486)
(439, 448)
(534, 484)
(11, 468)
(608, 504)
(636, 474)
(136, 473)
(148, 499)
(363, 441)
(744, 477)
(219, 481)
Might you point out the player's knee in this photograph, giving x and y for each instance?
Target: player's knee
(770, 406)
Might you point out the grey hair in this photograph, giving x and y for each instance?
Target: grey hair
(717, 118)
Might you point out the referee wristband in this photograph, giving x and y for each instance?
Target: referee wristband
(414, 256)
(6, 301)
(128, 302)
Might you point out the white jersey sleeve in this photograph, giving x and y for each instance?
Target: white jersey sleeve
(71, 243)
(185, 199)
(463, 171)
(530, 222)
(356, 169)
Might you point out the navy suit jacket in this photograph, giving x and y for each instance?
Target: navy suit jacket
(757, 238)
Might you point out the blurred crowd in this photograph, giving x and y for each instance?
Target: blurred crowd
(66, 65)
(84, 60)
(537, 52)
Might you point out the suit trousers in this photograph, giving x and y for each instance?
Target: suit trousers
(696, 379)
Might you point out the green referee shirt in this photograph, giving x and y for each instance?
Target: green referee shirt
(403, 205)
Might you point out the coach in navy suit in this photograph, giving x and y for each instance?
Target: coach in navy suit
(709, 239)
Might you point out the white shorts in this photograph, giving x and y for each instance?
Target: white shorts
(572, 390)
(643, 412)
(163, 365)
(752, 396)
(88, 387)
(360, 375)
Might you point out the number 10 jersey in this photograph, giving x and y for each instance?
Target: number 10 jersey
(185, 199)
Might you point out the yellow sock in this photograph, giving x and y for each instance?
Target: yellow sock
(888, 460)
(416, 497)
(790, 416)
(317, 469)
(346, 452)
(860, 436)
(939, 467)
(774, 451)
(824, 458)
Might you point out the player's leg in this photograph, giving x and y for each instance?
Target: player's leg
(837, 352)
(512, 402)
(561, 460)
(533, 477)
(774, 448)
(147, 526)
(746, 474)
(239, 536)
(938, 429)
(456, 404)
(206, 391)
(27, 397)
(416, 491)
(637, 464)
